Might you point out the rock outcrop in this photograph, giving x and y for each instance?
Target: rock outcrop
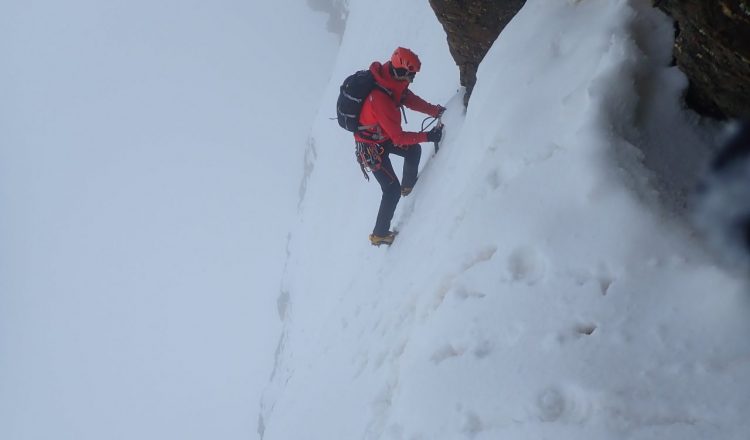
(337, 11)
(472, 26)
(712, 47)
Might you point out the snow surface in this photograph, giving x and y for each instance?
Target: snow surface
(149, 169)
(184, 257)
(544, 283)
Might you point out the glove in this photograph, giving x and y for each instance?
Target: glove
(440, 111)
(435, 134)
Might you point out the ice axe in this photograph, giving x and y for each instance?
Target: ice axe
(438, 125)
(437, 143)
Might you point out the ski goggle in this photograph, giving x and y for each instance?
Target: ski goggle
(403, 74)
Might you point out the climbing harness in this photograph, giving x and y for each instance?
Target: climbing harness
(369, 157)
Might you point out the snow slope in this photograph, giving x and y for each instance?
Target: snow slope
(148, 173)
(542, 285)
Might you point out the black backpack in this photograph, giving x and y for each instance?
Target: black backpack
(352, 94)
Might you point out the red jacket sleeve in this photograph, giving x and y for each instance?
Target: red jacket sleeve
(414, 102)
(389, 119)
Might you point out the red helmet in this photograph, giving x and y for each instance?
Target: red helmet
(405, 59)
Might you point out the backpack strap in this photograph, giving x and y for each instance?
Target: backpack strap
(385, 90)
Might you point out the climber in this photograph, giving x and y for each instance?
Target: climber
(381, 134)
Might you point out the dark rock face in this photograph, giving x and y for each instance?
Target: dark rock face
(337, 13)
(712, 47)
(472, 26)
(723, 200)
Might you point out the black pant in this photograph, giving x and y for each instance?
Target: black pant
(389, 182)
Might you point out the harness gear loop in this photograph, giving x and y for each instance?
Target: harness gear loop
(371, 132)
(369, 157)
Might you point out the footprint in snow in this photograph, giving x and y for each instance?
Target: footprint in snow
(480, 349)
(447, 351)
(471, 424)
(554, 404)
(464, 293)
(526, 265)
(550, 404)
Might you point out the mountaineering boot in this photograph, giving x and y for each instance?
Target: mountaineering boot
(377, 240)
(406, 190)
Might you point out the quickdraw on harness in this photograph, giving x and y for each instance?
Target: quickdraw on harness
(369, 157)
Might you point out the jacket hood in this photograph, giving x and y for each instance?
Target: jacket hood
(382, 74)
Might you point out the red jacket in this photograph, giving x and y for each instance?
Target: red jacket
(382, 111)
